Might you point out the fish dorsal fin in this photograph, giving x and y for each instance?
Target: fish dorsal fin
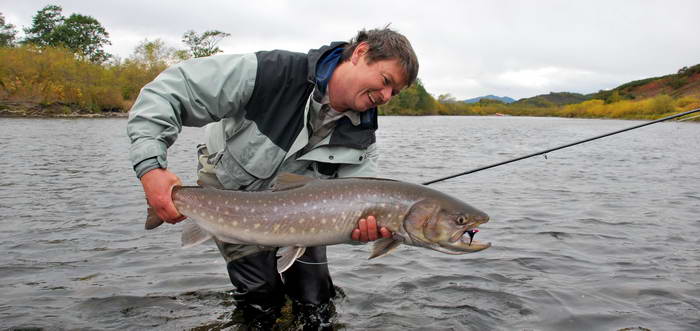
(286, 257)
(384, 246)
(193, 235)
(288, 181)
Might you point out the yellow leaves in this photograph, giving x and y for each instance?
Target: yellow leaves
(655, 107)
(54, 75)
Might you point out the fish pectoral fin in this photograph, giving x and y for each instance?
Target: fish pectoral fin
(384, 246)
(193, 235)
(287, 255)
(288, 181)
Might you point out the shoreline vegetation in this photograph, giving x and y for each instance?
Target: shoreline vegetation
(53, 82)
(59, 68)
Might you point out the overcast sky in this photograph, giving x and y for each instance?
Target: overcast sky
(465, 48)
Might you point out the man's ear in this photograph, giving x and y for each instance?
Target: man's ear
(360, 51)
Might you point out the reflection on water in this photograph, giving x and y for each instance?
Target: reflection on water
(601, 236)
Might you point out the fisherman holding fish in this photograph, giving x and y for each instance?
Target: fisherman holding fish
(267, 113)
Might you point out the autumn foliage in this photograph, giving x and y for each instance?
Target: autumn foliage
(51, 75)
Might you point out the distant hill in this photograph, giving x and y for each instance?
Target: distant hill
(686, 82)
(553, 99)
(490, 97)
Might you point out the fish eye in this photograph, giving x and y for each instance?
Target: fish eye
(461, 220)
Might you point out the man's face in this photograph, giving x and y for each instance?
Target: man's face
(369, 84)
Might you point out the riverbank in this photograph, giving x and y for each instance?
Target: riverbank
(56, 110)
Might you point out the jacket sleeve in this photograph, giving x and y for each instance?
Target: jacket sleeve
(368, 168)
(192, 93)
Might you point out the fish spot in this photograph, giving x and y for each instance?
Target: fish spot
(274, 209)
(252, 210)
(237, 208)
(257, 225)
(276, 227)
(325, 201)
(209, 202)
(245, 220)
(292, 230)
(305, 204)
(313, 230)
(235, 223)
(323, 221)
(301, 221)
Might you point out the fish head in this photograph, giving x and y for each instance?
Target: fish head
(445, 226)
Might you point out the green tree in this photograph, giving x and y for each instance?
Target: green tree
(43, 24)
(156, 54)
(613, 97)
(7, 33)
(82, 34)
(204, 44)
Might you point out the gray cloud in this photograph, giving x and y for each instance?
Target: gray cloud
(466, 48)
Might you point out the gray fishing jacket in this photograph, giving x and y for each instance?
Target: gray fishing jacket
(257, 107)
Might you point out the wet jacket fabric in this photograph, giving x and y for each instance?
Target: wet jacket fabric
(256, 108)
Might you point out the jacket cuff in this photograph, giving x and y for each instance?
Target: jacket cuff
(145, 166)
(147, 155)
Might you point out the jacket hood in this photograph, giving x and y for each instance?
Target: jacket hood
(315, 55)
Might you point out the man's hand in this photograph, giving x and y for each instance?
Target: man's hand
(158, 185)
(367, 230)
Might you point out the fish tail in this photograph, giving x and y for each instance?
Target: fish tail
(152, 220)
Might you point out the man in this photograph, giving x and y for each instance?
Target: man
(273, 111)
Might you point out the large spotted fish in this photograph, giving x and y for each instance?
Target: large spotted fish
(301, 212)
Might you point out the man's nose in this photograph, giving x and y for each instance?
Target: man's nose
(386, 94)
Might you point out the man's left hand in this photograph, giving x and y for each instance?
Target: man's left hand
(367, 230)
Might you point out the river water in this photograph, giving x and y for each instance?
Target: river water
(601, 236)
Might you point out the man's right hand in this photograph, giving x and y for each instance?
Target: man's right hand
(158, 185)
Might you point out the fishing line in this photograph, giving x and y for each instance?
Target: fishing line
(561, 147)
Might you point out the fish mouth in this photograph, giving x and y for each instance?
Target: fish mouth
(461, 233)
(469, 230)
(463, 242)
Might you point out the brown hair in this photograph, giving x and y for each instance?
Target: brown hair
(386, 44)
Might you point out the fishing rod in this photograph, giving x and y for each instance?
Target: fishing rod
(561, 147)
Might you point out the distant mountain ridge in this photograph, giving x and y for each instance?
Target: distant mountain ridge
(503, 99)
(553, 99)
(685, 82)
